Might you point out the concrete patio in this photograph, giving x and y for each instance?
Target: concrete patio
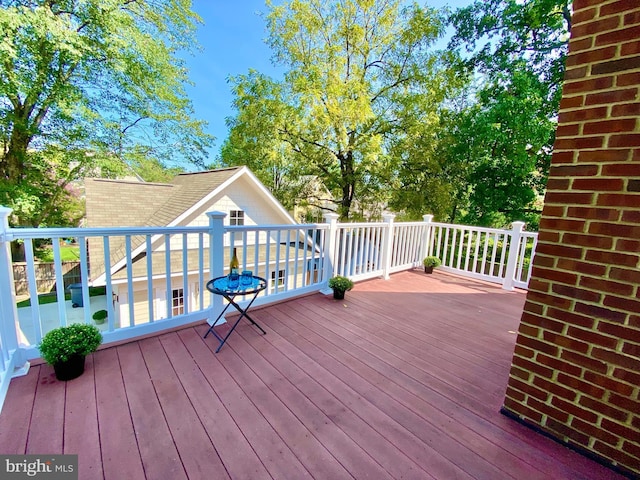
(50, 317)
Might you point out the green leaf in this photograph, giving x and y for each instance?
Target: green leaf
(90, 88)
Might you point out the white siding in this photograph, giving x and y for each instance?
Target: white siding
(141, 308)
(240, 195)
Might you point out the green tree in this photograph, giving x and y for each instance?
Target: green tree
(151, 170)
(432, 178)
(517, 51)
(359, 75)
(486, 160)
(85, 88)
(256, 135)
(508, 135)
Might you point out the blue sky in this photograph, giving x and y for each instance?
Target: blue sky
(232, 41)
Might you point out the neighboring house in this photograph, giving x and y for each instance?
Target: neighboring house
(183, 202)
(315, 200)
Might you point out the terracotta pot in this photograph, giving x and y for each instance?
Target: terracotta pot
(338, 294)
(72, 368)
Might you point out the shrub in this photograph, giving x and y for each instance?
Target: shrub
(431, 262)
(100, 316)
(340, 283)
(63, 342)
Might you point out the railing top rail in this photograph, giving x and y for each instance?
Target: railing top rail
(253, 228)
(479, 229)
(410, 224)
(33, 233)
(361, 224)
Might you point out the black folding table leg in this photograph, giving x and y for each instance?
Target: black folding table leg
(211, 330)
(223, 341)
(243, 313)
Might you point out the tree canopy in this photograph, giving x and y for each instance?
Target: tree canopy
(90, 88)
(368, 106)
(360, 75)
(494, 147)
(518, 52)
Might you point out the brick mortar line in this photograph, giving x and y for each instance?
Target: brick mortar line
(565, 332)
(580, 394)
(600, 416)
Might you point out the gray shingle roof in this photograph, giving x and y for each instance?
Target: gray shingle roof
(123, 203)
(118, 203)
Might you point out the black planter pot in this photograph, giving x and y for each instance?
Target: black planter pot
(338, 294)
(428, 269)
(72, 368)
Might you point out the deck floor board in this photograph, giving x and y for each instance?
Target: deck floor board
(118, 442)
(404, 379)
(157, 447)
(47, 417)
(412, 393)
(384, 394)
(284, 382)
(81, 433)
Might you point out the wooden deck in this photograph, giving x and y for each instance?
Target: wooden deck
(403, 379)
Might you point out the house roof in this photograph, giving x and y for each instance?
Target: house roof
(118, 203)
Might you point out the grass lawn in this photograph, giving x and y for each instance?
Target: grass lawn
(51, 297)
(68, 253)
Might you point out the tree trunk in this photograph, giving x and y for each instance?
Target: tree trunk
(347, 183)
(14, 162)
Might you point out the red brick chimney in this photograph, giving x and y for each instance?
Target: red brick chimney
(576, 367)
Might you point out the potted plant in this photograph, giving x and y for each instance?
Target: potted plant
(100, 316)
(340, 284)
(430, 263)
(66, 348)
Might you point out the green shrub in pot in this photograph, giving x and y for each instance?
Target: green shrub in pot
(66, 347)
(100, 316)
(430, 263)
(340, 284)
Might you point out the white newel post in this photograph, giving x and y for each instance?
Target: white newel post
(426, 239)
(387, 245)
(14, 360)
(514, 248)
(330, 249)
(216, 257)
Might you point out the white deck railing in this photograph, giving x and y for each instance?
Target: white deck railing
(500, 256)
(154, 278)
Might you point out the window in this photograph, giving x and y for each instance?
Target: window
(236, 217)
(280, 278)
(178, 302)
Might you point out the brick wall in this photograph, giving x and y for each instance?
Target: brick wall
(576, 366)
